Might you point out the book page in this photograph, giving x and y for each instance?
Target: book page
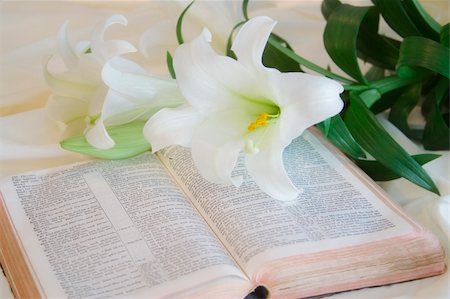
(112, 228)
(336, 207)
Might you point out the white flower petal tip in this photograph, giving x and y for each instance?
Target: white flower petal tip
(117, 19)
(288, 196)
(251, 41)
(114, 72)
(237, 181)
(206, 35)
(279, 190)
(256, 29)
(267, 170)
(284, 197)
(98, 137)
(65, 49)
(281, 193)
(111, 48)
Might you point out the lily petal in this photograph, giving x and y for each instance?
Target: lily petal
(208, 81)
(291, 88)
(88, 71)
(65, 49)
(120, 109)
(76, 127)
(267, 168)
(155, 42)
(130, 79)
(299, 117)
(64, 87)
(117, 105)
(96, 100)
(66, 109)
(98, 137)
(251, 40)
(113, 48)
(110, 48)
(216, 147)
(306, 100)
(172, 126)
(82, 46)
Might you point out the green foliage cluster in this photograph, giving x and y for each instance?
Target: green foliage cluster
(413, 71)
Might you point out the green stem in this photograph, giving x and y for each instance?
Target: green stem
(382, 86)
(245, 9)
(180, 24)
(308, 64)
(355, 87)
(394, 82)
(385, 85)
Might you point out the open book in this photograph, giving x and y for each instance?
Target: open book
(151, 226)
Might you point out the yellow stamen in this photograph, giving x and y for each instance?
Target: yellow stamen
(252, 126)
(251, 147)
(260, 121)
(263, 116)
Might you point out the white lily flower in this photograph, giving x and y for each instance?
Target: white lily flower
(100, 88)
(133, 95)
(240, 105)
(78, 93)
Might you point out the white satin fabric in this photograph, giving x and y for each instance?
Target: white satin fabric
(29, 138)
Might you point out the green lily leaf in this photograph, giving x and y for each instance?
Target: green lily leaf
(306, 63)
(325, 126)
(380, 173)
(395, 14)
(428, 92)
(274, 58)
(394, 82)
(437, 133)
(352, 32)
(367, 131)
(180, 24)
(401, 109)
(426, 24)
(445, 35)
(129, 140)
(338, 133)
(384, 55)
(386, 101)
(245, 9)
(340, 36)
(420, 52)
(390, 88)
(370, 96)
(328, 6)
(169, 61)
(375, 73)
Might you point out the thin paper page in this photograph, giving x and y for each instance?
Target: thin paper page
(335, 209)
(112, 228)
